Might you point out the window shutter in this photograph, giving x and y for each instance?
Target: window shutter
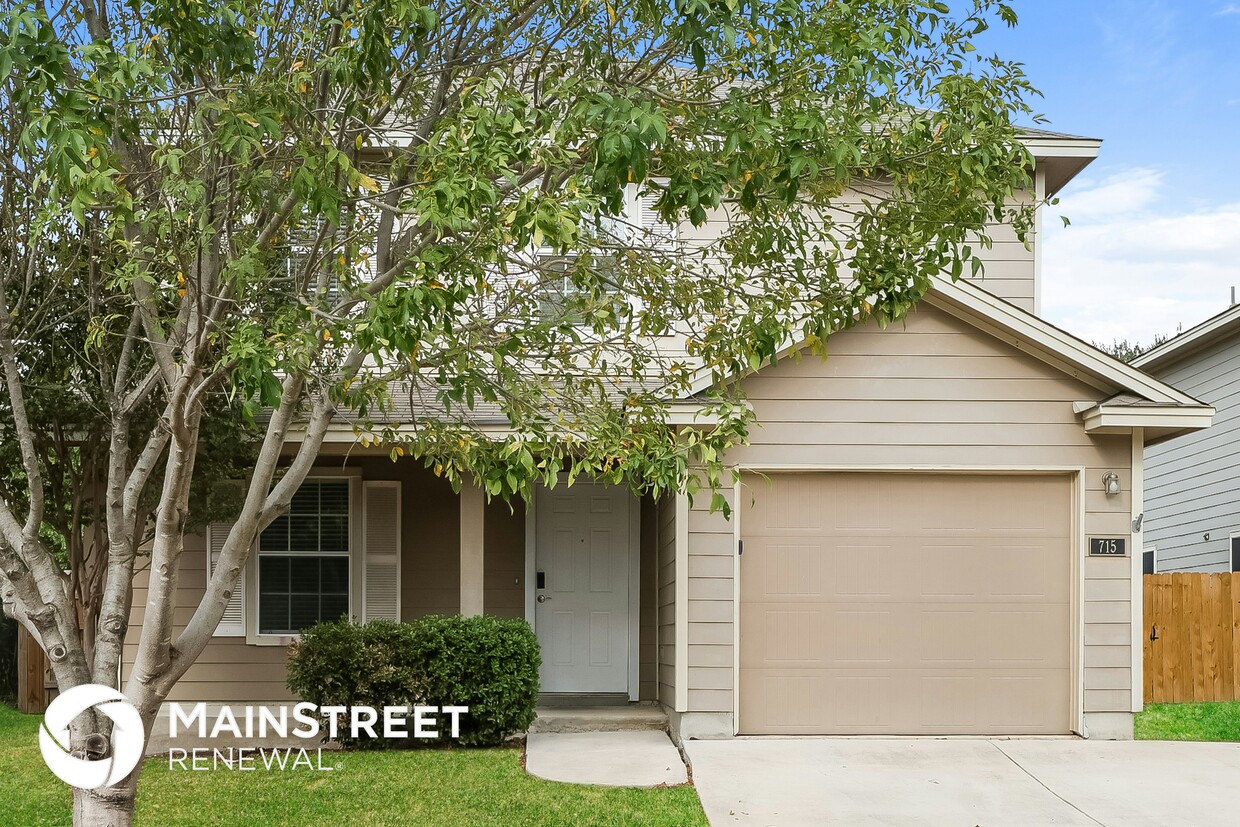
(623, 229)
(381, 551)
(232, 624)
(656, 232)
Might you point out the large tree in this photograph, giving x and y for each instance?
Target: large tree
(296, 213)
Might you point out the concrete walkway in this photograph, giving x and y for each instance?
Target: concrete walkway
(610, 759)
(966, 782)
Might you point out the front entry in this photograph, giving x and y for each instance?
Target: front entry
(582, 564)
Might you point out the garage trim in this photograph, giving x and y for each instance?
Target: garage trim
(1136, 541)
(1076, 568)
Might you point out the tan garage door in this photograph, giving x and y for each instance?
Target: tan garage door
(905, 604)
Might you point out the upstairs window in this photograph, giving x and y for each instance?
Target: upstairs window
(558, 289)
(637, 228)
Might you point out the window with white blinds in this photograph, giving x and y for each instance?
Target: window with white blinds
(303, 560)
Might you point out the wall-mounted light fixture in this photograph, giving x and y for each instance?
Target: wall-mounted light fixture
(1110, 483)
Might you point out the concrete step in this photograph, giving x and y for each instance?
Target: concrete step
(629, 718)
(579, 699)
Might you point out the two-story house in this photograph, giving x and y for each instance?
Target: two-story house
(933, 532)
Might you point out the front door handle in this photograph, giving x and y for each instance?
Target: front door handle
(542, 598)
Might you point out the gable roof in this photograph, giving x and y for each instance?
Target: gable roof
(1059, 155)
(1127, 397)
(1053, 344)
(1214, 329)
(1037, 133)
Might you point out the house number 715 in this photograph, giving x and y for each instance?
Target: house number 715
(1107, 546)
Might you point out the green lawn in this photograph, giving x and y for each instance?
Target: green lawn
(420, 787)
(1189, 722)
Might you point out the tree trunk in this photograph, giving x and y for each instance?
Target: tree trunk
(90, 737)
(110, 807)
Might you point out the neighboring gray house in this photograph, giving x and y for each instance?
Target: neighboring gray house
(1192, 484)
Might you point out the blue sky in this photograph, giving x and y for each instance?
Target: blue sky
(1155, 236)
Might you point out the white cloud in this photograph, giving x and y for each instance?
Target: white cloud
(1230, 8)
(1127, 268)
(1126, 193)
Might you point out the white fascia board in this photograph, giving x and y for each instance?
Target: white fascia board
(949, 296)
(338, 434)
(1064, 345)
(1124, 417)
(1199, 335)
(1045, 147)
(345, 434)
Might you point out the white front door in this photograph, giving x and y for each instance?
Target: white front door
(581, 614)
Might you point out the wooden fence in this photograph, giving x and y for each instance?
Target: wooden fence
(1192, 637)
(35, 686)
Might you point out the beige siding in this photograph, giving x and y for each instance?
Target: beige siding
(1009, 269)
(931, 392)
(648, 623)
(504, 564)
(231, 670)
(228, 670)
(712, 607)
(666, 609)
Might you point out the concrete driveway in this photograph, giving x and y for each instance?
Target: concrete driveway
(966, 782)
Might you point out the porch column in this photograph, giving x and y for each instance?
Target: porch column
(473, 505)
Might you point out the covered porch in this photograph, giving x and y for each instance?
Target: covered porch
(373, 538)
(579, 563)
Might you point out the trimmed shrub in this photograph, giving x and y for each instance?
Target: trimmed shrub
(342, 663)
(486, 663)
